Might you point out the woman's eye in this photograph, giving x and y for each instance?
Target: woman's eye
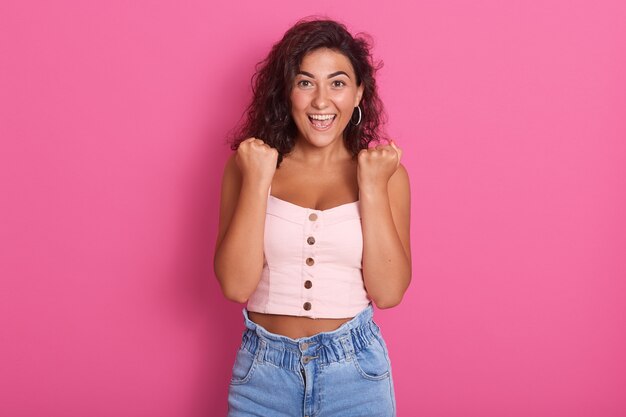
(304, 83)
(338, 83)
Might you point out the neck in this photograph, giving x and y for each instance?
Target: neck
(329, 155)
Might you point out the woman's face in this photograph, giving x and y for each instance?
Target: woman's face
(324, 96)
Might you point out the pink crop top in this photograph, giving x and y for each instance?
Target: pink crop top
(312, 262)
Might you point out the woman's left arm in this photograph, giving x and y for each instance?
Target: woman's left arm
(385, 219)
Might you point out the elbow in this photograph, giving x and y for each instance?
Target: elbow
(231, 292)
(236, 297)
(387, 302)
(389, 298)
(234, 294)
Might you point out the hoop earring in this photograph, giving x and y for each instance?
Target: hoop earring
(360, 116)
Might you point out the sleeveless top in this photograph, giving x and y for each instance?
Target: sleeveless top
(313, 262)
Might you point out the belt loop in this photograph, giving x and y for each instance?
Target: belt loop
(348, 347)
(260, 354)
(374, 327)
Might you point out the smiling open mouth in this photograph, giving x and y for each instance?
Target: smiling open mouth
(322, 121)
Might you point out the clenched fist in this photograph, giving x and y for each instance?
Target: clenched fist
(256, 161)
(377, 165)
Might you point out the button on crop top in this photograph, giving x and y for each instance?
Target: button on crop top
(312, 262)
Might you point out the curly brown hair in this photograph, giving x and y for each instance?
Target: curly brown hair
(268, 116)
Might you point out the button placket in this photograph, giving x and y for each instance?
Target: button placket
(310, 259)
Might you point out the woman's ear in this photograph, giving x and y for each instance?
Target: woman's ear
(359, 94)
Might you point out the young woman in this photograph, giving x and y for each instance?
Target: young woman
(314, 227)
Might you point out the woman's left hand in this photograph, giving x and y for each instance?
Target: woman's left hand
(377, 165)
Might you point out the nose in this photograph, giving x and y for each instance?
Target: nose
(320, 100)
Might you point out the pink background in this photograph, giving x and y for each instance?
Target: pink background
(113, 125)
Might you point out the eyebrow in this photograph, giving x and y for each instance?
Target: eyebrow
(334, 74)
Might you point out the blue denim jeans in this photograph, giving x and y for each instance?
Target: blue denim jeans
(343, 373)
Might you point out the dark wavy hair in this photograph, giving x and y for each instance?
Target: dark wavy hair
(268, 116)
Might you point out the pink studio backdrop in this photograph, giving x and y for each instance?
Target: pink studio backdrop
(113, 123)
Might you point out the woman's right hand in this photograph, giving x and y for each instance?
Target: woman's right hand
(256, 161)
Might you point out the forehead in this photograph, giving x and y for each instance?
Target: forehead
(325, 61)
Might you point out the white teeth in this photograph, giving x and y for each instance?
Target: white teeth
(321, 116)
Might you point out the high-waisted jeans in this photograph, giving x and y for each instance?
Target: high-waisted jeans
(343, 373)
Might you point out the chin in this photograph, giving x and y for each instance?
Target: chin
(321, 139)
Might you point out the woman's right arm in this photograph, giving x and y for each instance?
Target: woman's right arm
(238, 260)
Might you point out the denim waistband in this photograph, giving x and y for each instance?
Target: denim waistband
(324, 347)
